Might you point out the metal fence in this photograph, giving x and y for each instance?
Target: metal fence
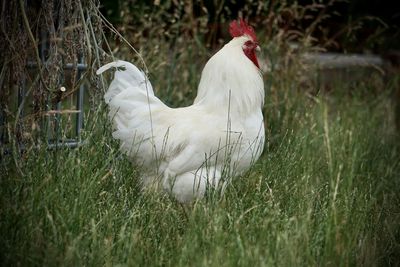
(53, 130)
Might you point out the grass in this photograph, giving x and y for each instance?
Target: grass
(325, 192)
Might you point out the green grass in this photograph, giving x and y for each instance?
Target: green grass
(325, 192)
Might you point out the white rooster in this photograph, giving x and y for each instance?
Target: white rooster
(190, 149)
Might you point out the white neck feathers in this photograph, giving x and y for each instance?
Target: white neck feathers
(231, 80)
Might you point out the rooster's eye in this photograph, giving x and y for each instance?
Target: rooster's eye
(249, 45)
(249, 49)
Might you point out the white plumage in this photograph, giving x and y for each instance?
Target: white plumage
(187, 150)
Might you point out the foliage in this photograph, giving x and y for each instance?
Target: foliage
(325, 191)
(337, 25)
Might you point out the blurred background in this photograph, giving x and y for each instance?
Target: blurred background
(346, 26)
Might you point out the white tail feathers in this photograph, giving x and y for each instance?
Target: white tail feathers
(131, 99)
(126, 75)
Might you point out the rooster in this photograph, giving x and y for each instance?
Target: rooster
(192, 150)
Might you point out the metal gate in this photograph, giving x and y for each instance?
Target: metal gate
(59, 120)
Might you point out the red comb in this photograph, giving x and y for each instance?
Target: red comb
(237, 29)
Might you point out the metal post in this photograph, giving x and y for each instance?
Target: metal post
(79, 102)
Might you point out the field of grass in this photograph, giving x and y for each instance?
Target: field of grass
(325, 192)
